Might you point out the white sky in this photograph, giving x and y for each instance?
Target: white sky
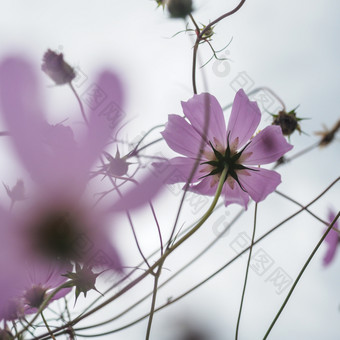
(289, 46)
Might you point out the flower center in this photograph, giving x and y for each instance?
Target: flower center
(35, 296)
(58, 235)
(229, 160)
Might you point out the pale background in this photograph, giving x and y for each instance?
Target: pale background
(290, 46)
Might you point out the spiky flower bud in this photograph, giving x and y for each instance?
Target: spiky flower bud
(179, 8)
(56, 68)
(288, 122)
(84, 279)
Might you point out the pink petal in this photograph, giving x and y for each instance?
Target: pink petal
(146, 189)
(181, 136)
(332, 240)
(266, 147)
(102, 253)
(105, 100)
(202, 110)
(206, 187)
(260, 183)
(235, 195)
(244, 119)
(20, 106)
(179, 169)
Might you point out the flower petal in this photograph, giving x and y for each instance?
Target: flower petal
(179, 169)
(266, 147)
(206, 187)
(259, 183)
(235, 195)
(105, 100)
(181, 136)
(244, 119)
(204, 109)
(140, 194)
(20, 106)
(332, 240)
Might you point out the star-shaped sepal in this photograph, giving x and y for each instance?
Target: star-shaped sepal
(84, 279)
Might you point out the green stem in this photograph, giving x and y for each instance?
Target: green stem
(153, 303)
(47, 326)
(247, 271)
(299, 276)
(206, 215)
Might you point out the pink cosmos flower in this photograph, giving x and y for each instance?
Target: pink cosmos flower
(57, 223)
(332, 239)
(232, 147)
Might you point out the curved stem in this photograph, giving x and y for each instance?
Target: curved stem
(299, 276)
(247, 271)
(80, 103)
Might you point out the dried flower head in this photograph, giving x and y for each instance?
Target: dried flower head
(327, 136)
(56, 68)
(179, 8)
(288, 122)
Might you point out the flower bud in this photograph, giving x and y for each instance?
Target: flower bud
(84, 279)
(56, 68)
(287, 121)
(179, 8)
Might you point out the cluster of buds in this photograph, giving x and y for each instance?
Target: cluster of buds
(287, 121)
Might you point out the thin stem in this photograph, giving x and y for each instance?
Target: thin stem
(47, 326)
(246, 276)
(153, 303)
(158, 227)
(135, 150)
(300, 275)
(200, 38)
(4, 133)
(80, 103)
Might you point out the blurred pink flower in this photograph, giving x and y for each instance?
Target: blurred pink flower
(332, 239)
(233, 147)
(56, 224)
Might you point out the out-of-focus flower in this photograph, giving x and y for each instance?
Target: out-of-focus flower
(41, 280)
(332, 240)
(56, 68)
(288, 122)
(327, 136)
(231, 147)
(57, 224)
